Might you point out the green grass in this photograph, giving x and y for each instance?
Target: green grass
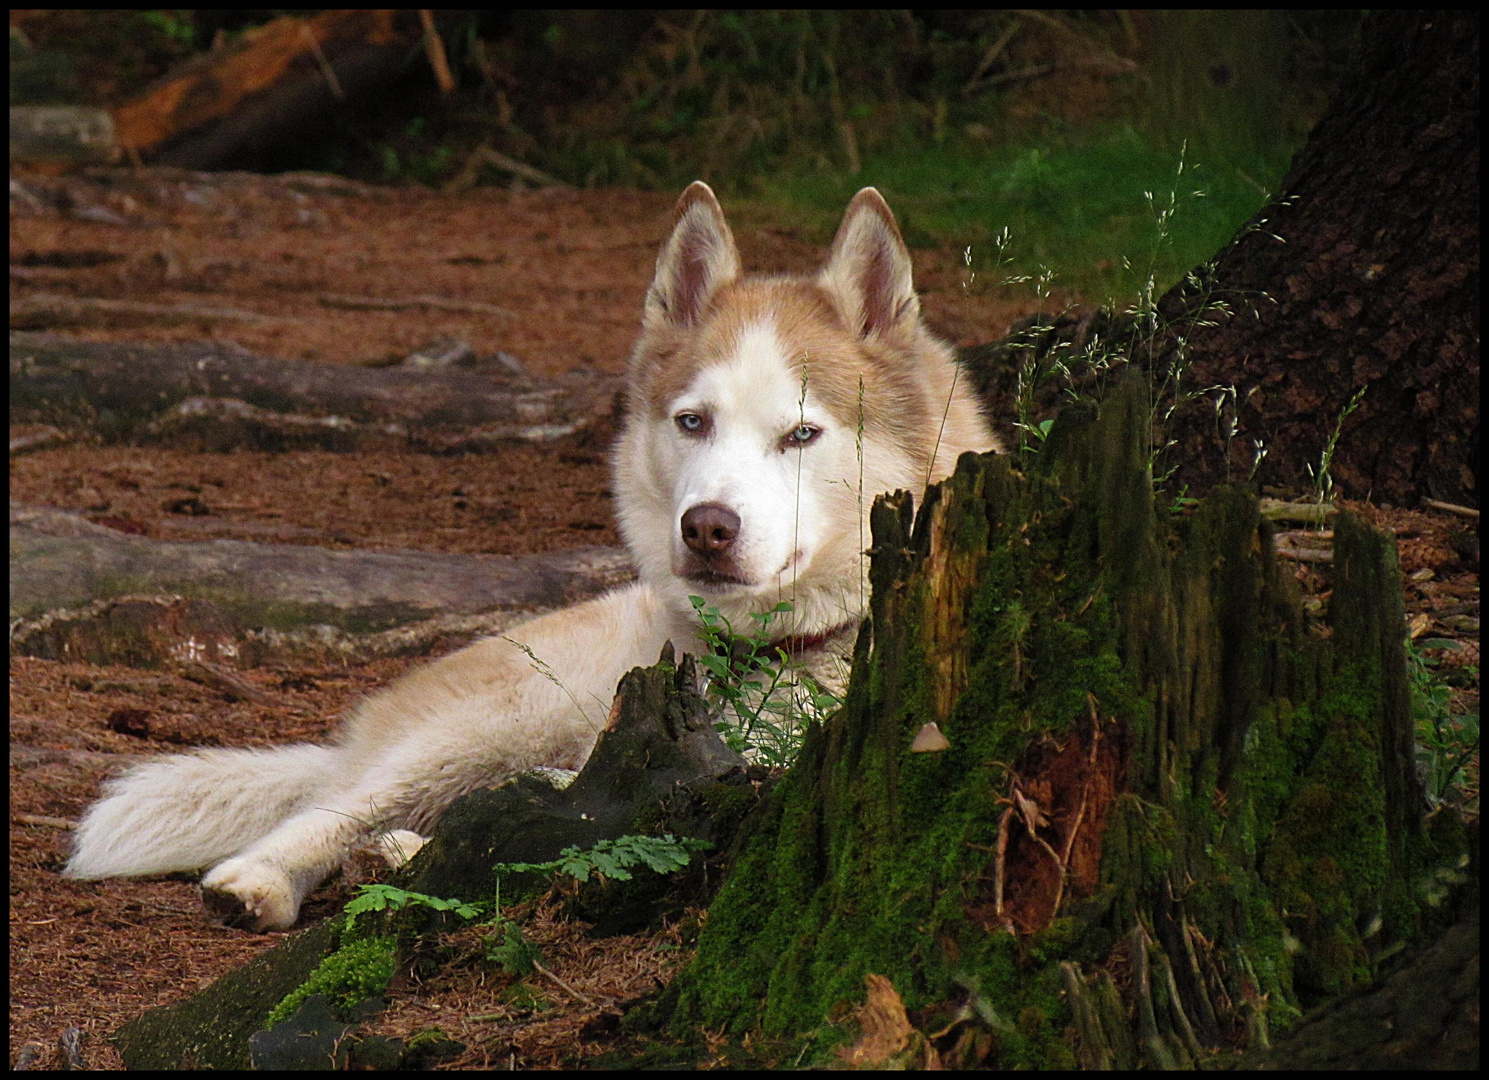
(1078, 207)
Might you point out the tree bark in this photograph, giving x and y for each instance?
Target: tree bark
(1363, 275)
(1173, 810)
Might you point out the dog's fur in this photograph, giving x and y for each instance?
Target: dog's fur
(763, 416)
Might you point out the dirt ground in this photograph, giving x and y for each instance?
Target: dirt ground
(555, 278)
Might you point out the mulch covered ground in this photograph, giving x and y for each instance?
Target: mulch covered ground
(554, 278)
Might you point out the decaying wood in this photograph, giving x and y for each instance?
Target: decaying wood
(1308, 513)
(1200, 846)
(83, 591)
(203, 396)
(274, 83)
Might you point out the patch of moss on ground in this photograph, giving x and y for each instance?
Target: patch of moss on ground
(356, 971)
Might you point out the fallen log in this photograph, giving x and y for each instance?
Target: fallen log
(212, 397)
(41, 311)
(275, 83)
(80, 591)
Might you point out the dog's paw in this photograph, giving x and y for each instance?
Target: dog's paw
(251, 895)
(397, 846)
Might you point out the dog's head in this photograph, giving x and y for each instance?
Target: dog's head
(764, 414)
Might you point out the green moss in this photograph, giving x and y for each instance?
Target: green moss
(354, 972)
(1254, 809)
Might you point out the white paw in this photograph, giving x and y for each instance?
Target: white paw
(397, 846)
(246, 892)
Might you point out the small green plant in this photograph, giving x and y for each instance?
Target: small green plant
(766, 701)
(1323, 483)
(516, 955)
(378, 897)
(1446, 742)
(615, 858)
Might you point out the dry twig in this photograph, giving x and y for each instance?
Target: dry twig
(434, 49)
(1452, 508)
(44, 821)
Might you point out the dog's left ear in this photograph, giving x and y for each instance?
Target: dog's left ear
(869, 270)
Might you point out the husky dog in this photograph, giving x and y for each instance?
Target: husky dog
(763, 416)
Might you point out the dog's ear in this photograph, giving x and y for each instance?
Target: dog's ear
(697, 258)
(869, 269)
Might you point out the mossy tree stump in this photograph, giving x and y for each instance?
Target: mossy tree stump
(1168, 795)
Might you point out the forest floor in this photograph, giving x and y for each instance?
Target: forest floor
(555, 278)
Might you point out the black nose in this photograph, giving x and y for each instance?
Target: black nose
(709, 528)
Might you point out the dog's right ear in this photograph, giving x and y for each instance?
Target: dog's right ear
(697, 258)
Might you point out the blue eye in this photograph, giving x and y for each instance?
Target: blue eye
(803, 435)
(691, 423)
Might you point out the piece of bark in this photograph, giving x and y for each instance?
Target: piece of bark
(208, 397)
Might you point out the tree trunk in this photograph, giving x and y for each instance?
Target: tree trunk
(1373, 286)
(1168, 795)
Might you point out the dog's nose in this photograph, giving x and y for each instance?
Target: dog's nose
(709, 528)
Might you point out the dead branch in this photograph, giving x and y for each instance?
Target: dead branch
(44, 821)
(1306, 513)
(224, 681)
(485, 155)
(990, 57)
(45, 436)
(1451, 508)
(434, 49)
(565, 987)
